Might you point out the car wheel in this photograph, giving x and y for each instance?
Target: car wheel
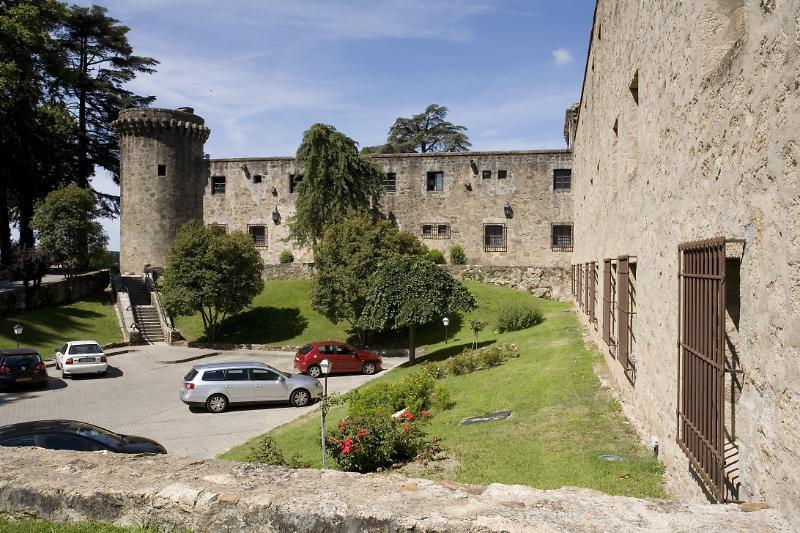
(64, 375)
(300, 398)
(57, 367)
(216, 403)
(314, 371)
(369, 368)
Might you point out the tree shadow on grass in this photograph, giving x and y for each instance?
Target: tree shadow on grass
(449, 351)
(263, 325)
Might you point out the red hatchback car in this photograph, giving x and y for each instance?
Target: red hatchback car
(344, 358)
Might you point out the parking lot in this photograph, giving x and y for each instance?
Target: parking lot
(140, 397)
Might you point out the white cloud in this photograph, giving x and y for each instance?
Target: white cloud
(562, 56)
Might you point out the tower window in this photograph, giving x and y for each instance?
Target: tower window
(487, 174)
(259, 235)
(494, 238)
(435, 181)
(562, 179)
(390, 182)
(561, 237)
(294, 182)
(162, 170)
(502, 174)
(218, 185)
(257, 178)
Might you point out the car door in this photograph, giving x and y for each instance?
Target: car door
(60, 354)
(60, 441)
(237, 385)
(346, 358)
(267, 385)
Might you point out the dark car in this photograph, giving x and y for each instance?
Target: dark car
(22, 366)
(343, 357)
(73, 435)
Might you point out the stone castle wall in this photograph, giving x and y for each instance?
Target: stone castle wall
(689, 129)
(255, 188)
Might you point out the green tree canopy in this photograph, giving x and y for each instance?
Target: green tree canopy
(336, 180)
(348, 254)
(67, 228)
(211, 272)
(426, 132)
(406, 292)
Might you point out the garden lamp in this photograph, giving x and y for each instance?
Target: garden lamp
(445, 321)
(17, 332)
(325, 366)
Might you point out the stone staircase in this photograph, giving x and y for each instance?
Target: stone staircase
(144, 312)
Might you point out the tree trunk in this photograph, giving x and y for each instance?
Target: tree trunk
(25, 215)
(412, 344)
(84, 170)
(6, 255)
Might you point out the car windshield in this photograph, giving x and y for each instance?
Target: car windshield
(305, 349)
(101, 435)
(83, 349)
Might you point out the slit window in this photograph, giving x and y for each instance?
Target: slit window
(494, 238)
(259, 235)
(487, 174)
(435, 181)
(218, 185)
(562, 237)
(162, 170)
(294, 182)
(502, 174)
(562, 179)
(390, 182)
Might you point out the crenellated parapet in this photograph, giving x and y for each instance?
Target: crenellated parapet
(147, 121)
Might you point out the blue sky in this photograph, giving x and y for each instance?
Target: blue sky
(262, 71)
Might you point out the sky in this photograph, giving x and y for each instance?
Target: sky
(260, 72)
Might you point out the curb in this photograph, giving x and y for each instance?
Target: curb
(187, 359)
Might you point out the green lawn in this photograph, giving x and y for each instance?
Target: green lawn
(48, 328)
(562, 419)
(30, 525)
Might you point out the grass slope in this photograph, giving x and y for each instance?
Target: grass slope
(31, 525)
(562, 419)
(48, 328)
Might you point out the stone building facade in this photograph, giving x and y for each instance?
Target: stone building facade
(689, 129)
(504, 208)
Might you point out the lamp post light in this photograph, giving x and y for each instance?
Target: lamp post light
(445, 321)
(325, 366)
(17, 332)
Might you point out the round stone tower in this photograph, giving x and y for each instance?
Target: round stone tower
(163, 174)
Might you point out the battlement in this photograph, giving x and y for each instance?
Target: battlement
(138, 121)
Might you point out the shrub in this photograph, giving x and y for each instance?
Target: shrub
(267, 452)
(436, 256)
(416, 391)
(286, 257)
(517, 317)
(457, 255)
(472, 360)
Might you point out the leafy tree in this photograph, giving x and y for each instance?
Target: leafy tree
(348, 254)
(406, 292)
(67, 229)
(426, 132)
(211, 272)
(336, 180)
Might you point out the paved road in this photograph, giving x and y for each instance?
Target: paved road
(140, 397)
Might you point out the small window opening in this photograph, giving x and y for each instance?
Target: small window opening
(259, 235)
(487, 174)
(162, 170)
(435, 181)
(257, 178)
(561, 238)
(502, 174)
(616, 127)
(390, 182)
(294, 182)
(562, 179)
(218, 185)
(634, 87)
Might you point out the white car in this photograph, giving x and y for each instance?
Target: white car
(81, 357)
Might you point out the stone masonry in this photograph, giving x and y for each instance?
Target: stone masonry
(689, 129)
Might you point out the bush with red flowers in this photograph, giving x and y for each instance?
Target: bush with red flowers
(365, 444)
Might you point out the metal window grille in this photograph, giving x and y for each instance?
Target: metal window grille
(494, 238)
(623, 312)
(390, 182)
(607, 301)
(562, 179)
(592, 290)
(259, 235)
(435, 181)
(701, 359)
(579, 271)
(572, 276)
(427, 231)
(443, 231)
(561, 240)
(586, 288)
(294, 182)
(218, 185)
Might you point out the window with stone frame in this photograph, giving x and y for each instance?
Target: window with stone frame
(562, 179)
(390, 182)
(435, 181)
(218, 185)
(561, 237)
(259, 235)
(435, 231)
(294, 182)
(494, 238)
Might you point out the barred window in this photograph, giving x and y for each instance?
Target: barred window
(562, 179)
(218, 185)
(561, 237)
(427, 231)
(494, 238)
(435, 231)
(294, 182)
(259, 235)
(390, 182)
(435, 181)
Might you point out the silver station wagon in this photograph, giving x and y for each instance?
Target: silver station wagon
(215, 386)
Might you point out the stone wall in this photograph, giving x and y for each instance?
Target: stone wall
(257, 187)
(689, 129)
(53, 293)
(543, 282)
(169, 493)
(288, 271)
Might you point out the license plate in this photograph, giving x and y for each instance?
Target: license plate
(86, 360)
(23, 380)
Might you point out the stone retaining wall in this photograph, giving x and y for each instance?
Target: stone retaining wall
(55, 293)
(288, 271)
(171, 493)
(543, 282)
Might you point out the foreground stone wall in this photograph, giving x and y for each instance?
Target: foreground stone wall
(169, 494)
(690, 129)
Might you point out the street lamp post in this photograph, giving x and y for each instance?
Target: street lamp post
(17, 332)
(325, 366)
(445, 321)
